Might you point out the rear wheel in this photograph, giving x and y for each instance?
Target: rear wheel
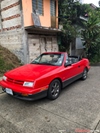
(84, 75)
(54, 89)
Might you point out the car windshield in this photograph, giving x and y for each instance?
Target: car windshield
(49, 59)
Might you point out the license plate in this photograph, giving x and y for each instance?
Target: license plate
(9, 91)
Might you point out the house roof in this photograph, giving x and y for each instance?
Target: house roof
(93, 6)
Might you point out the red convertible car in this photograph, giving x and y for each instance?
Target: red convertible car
(45, 76)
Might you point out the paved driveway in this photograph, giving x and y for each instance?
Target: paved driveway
(76, 110)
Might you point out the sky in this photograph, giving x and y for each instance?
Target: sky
(95, 2)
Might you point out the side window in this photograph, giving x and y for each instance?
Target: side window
(53, 7)
(37, 6)
(67, 59)
(72, 60)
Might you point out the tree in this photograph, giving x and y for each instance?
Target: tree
(69, 17)
(91, 33)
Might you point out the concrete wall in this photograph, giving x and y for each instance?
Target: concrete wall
(10, 14)
(13, 41)
(11, 29)
(39, 44)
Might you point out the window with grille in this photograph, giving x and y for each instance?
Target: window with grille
(53, 7)
(37, 6)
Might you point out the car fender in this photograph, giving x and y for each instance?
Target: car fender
(46, 81)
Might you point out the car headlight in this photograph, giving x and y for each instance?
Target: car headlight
(4, 78)
(28, 84)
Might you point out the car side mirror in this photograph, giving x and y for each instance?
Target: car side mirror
(67, 64)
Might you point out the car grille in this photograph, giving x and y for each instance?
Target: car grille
(19, 82)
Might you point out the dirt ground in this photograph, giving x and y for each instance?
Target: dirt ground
(7, 60)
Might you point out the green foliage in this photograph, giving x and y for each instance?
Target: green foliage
(67, 17)
(5, 66)
(94, 52)
(91, 35)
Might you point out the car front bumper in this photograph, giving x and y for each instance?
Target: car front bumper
(24, 93)
(30, 97)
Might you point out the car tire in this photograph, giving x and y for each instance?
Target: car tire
(54, 89)
(84, 75)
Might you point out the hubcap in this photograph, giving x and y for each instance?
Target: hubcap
(55, 89)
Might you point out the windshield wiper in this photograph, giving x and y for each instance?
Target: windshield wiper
(47, 63)
(35, 62)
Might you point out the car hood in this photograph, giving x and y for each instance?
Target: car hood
(30, 72)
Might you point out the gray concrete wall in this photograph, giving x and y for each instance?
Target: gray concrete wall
(39, 44)
(13, 41)
(11, 27)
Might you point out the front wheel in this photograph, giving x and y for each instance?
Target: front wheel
(54, 89)
(84, 75)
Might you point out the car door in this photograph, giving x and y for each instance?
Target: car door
(79, 67)
(69, 72)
